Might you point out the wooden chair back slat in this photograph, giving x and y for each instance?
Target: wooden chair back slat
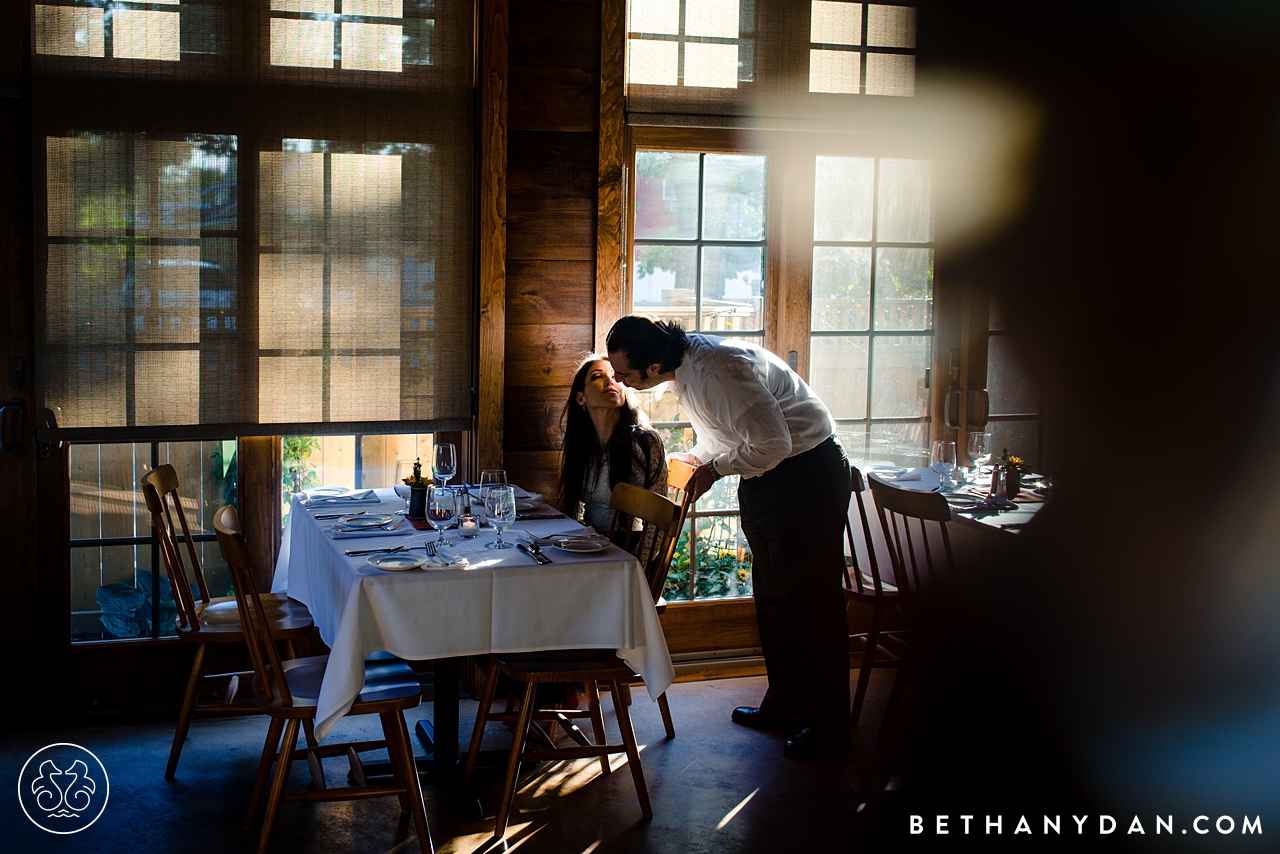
(253, 614)
(653, 543)
(856, 580)
(160, 491)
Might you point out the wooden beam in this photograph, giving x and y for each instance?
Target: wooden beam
(259, 471)
(493, 231)
(610, 216)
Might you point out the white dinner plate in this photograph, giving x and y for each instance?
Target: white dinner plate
(326, 491)
(368, 521)
(397, 563)
(582, 545)
(957, 499)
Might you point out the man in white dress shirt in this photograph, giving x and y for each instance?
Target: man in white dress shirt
(755, 417)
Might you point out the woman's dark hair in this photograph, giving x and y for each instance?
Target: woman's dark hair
(647, 342)
(581, 454)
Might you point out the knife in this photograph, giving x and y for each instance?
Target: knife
(538, 557)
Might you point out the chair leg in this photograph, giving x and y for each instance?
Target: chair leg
(864, 672)
(188, 709)
(633, 752)
(395, 728)
(597, 721)
(482, 717)
(665, 710)
(269, 749)
(395, 753)
(283, 762)
(513, 761)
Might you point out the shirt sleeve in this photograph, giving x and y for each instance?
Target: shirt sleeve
(747, 418)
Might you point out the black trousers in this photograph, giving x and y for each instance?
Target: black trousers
(793, 518)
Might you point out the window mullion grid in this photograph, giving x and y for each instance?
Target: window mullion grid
(326, 354)
(697, 269)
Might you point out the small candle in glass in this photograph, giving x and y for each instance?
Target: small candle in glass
(469, 525)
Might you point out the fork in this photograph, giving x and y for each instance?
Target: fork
(355, 552)
(431, 548)
(340, 515)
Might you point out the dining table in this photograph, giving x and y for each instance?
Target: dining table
(496, 601)
(968, 499)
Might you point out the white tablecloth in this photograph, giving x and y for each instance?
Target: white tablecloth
(501, 602)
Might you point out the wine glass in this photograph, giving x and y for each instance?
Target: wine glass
(446, 465)
(442, 504)
(488, 478)
(978, 452)
(404, 471)
(944, 462)
(500, 508)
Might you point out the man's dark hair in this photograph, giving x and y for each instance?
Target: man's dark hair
(648, 342)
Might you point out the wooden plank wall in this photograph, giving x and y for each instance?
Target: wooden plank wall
(552, 164)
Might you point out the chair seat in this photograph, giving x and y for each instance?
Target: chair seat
(385, 680)
(220, 616)
(559, 664)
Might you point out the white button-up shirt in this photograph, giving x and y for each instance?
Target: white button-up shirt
(749, 410)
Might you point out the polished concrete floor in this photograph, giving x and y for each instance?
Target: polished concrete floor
(715, 787)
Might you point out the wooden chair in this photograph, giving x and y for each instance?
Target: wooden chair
(208, 619)
(650, 545)
(916, 572)
(287, 691)
(879, 648)
(679, 479)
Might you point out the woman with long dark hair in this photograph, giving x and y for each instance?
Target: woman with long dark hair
(607, 441)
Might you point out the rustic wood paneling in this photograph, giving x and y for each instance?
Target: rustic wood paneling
(549, 290)
(554, 99)
(545, 354)
(538, 426)
(493, 231)
(699, 626)
(538, 471)
(555, 33)
(610, 238)
(551, 196)
(259, 474)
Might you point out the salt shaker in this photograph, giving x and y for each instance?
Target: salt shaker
(998, 480)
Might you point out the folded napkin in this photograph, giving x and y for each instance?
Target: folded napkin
(363, 496)
(902, 477)
(446, 558)
(396, 529)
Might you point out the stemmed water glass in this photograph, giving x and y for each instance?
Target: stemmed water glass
(977, 450)
(404, 471)
(488, 478)
(442, 504)
(944, 462)
(446, 464)
(500, 508)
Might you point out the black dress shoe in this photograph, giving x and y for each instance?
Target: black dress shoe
(759, 719)
(812, 742)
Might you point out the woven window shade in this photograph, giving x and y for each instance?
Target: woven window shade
(734, 63)
(254, 217)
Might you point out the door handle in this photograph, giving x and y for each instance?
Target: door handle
(951, 408)
(14, 408)
(979, 400)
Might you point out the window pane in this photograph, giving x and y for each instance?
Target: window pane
(1011, 389)
(898, 377)
(304, 44)
(891, 26)
(732, 288)
(656, 63)
(665, 278)
(655, 16)
(713, 66)
(666, 203)
(843, 191)
(835, 23)
(835, 71)
(679, 575)
(723, 495)
(723, 558)
(715, 18)
(905, 211)
(378, 456)
(139, 34)
(853, 438)
(111, 594)
(841, 287)
(371, 47)
(904, 288)
(674, 439)
(891, 74)
(105, 499)
(900, 444)
(838, 374)
(734, 205)
(64, 31)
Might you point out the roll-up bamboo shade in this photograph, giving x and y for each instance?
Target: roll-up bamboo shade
(254, 216)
